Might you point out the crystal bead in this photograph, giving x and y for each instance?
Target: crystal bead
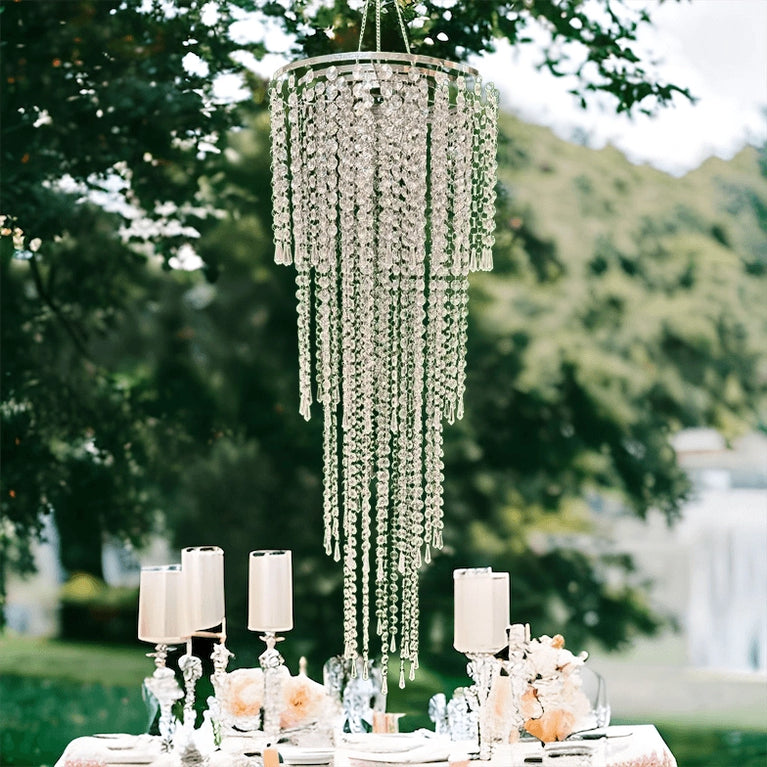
(382, 307)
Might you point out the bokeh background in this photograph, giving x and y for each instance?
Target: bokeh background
(613, 455)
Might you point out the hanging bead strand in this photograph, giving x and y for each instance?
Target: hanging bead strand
(383, 197)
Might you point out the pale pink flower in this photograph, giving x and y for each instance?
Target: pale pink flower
(303, 701)
(244, 693)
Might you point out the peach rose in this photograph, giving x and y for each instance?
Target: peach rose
(303, 701)
(244, 693)
(529, 705)
(552, 725)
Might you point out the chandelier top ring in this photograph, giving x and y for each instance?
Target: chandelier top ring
(400, 62)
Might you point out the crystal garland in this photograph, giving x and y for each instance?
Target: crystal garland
(383, 189)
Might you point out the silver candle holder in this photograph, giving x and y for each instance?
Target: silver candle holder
(203, 589)
(270, 661)
(483, 668)
(481, 609)
(162, 620)
(270, 609)
(163, 685)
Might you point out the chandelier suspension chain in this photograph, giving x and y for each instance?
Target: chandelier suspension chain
(378, 9)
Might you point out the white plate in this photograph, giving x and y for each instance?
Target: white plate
(298, 756)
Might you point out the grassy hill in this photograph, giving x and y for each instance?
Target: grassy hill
(599, 260)
(577, 196)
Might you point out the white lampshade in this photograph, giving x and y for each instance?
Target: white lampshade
(482, 609)
(203, 569)
(270, 591)
(162, 614)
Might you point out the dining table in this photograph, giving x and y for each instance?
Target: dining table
(636, 745)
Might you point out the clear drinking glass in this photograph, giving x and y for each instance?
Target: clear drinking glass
(595, 688)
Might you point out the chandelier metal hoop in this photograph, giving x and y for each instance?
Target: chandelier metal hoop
(425, 64)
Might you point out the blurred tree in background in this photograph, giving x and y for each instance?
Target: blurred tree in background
(142, 396)
(105, 138)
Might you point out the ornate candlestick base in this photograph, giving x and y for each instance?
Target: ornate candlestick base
(483, 669)
(191, 668)
(163, 685)
(271, 661)
(220, 658)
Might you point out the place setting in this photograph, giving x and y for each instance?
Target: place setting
(527, 700)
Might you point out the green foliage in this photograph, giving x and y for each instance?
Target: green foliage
(97, 105)
(138, 396)
(590, 41)
(96, 91)
(90, 608)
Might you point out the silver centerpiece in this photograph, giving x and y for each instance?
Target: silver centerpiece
(462, 720)
(355, 690)
(272, 664)
(483, 668)
(163, 685)
(384, 168)
(438, 713)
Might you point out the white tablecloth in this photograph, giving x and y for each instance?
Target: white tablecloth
(625, 746)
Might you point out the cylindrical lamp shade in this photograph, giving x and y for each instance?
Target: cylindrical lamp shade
(203, 568)
(482, 609)
(270, 591)
(162, 613)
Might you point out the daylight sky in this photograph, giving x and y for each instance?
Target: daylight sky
(716, 48)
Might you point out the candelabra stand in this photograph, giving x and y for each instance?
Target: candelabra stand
(191, 669)
(220, 658)
(271, 662)
(518, 636)
(162, 684)
(483, 668)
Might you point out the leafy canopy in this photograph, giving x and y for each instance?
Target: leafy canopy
(137, 394)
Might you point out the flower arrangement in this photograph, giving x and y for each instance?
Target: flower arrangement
(546, 687)
(302, 700)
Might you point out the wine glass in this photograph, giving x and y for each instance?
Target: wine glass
(595, 689)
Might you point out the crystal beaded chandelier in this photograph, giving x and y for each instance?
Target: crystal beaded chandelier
(383, 195)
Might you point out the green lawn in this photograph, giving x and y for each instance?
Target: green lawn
(51, 692)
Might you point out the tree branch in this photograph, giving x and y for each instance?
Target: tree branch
(48, 300)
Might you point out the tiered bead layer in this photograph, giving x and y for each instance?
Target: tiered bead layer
(384, 187)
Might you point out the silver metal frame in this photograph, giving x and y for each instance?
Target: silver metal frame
(346, 62)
